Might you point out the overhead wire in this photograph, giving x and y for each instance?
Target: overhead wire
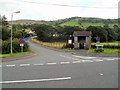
(68, 5)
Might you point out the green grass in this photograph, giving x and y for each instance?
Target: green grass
(50, 44)
(106, 51)
(14, 54)
(115, 43)
(85, 25)
(70, 24)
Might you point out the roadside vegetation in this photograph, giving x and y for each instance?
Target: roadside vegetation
(58, 45)
(14, 54)
(106, 51)
(18, 33)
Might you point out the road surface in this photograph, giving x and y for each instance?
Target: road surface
(53, 69)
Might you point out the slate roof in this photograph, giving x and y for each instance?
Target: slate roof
(81, 33)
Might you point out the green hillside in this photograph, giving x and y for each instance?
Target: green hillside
(28, 22)
(82, 22)
(85, 25)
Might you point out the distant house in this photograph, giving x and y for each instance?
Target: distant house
(82, 39)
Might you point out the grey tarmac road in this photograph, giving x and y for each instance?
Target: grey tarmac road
(53, 69)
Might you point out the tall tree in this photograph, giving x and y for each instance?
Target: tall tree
(5, 29)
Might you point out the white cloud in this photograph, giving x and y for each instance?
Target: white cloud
(43, 11)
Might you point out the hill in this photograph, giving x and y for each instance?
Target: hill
(82, 22)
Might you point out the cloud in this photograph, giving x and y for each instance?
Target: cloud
(44, 11)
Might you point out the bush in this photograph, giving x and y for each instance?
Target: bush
(107, 46)
(68, 46)
(99, 50)
(16, 46)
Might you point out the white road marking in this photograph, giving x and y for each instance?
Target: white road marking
(10, 65)
(0, 65)
(110, 59)
(87, 61)
(51, 63)
(76, 62)
(38, 80)
(24, 64)
(101, 74)
(64, 62)
(98, 60)
(69, 57)
(85, 57)
(39, 64)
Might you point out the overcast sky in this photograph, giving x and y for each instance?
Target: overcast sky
(59, 9)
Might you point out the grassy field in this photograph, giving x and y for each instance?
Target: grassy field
(50, 44)
(85, 25)
(14, 54)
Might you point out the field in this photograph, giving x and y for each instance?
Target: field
(85, 25)
(50, 44)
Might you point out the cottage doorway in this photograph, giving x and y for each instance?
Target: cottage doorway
(81, 45)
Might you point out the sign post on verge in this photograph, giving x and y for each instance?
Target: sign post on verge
(21, 44)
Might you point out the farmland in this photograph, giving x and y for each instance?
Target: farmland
(85, 25)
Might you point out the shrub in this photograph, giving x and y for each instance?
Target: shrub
(68, 46)
(16, 46)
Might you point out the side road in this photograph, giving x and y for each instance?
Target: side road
(82, 52)
(75, 52)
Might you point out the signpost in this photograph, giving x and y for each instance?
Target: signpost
(99, 48)
(21, 44)
(98, 39)
(25, 39)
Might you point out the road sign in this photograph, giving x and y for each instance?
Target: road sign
(98, 38)
(21, 41)
(22, 45)
(25, 39)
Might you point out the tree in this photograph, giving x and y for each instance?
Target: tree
(112, 35)
(98, 31)
(5, 29)
(44, 32)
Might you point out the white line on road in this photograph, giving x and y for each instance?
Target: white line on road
(110, 59)
(87, 61)
(24, 64)
(39, 64)
(10, 65)
(38, 80)
(98, 60)
(0, 65)
(51, 63)
(64, 62)
(101, 74)
(69, 57)
(76, 62)
(85, 57)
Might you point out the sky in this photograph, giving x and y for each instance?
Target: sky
(58, 9)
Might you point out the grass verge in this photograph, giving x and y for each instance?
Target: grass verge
(14, 54)
(106, 51)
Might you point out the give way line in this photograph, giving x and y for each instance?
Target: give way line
(37, 80)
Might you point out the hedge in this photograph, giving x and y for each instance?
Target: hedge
(108, 46)
(16, 46)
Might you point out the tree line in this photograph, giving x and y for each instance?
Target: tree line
(57, 33)
(17, 34)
